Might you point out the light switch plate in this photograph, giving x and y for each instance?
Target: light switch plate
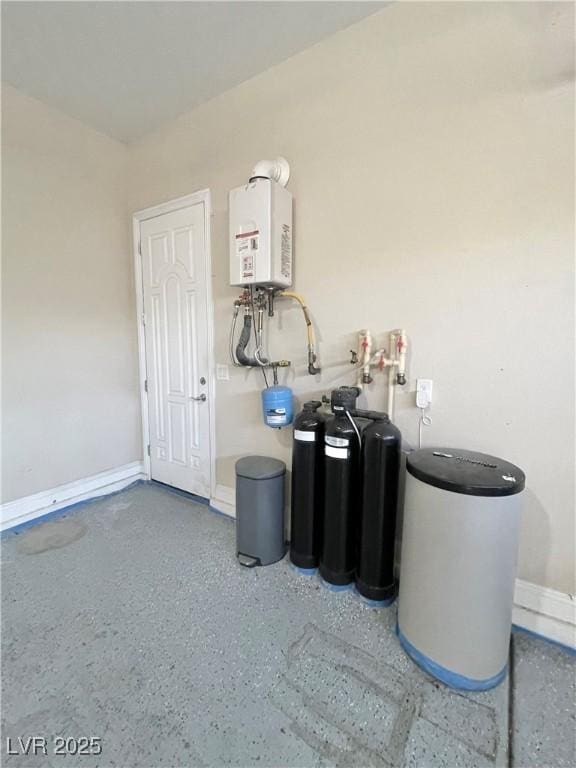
(222, 373)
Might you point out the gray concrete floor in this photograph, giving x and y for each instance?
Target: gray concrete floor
(543, 722)
(129, 620)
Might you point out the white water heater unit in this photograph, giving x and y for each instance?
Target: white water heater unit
(261, 233)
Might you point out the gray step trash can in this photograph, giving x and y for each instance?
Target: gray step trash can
(458, 564)
(260, 510)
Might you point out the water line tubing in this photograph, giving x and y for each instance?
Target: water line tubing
(245, 335)
(243, 359)
(261, 361)
(312, 369)
(392, 374)
(232, 335)
(239, 357)
(354, 425)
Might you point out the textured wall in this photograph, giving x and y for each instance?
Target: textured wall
(70, 399)
(431, 148)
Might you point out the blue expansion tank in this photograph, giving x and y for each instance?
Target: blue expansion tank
(277, 406)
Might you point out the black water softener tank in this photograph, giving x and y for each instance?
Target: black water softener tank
(342, 491)
(307, 506)
(381, 454)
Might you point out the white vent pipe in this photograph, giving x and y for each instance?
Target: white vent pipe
(278, 170)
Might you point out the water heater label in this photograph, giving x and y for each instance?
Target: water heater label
(247, 244)
(286, 252)
(336, 453)
(306, 437)
(337, 442)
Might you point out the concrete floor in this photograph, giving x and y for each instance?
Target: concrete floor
(129, 620)
(543, 727)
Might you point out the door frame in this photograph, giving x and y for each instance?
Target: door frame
(203, 196)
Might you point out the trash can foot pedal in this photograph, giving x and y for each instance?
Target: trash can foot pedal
(247, 561)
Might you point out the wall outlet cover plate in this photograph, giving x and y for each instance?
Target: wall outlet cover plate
(222, 373)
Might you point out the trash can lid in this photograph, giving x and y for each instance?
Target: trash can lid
(259, 467)
(468, 472)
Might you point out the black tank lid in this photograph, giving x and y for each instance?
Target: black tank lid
(468, 472)
(311, 405)
(344, 397)
(372, 415)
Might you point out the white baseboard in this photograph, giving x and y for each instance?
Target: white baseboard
(224, 500)
(546, 612)
(28, 508)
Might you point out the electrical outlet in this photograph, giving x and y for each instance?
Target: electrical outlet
(423, 392)
(222, 373)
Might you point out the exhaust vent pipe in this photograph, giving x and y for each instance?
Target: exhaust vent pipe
(278, 170)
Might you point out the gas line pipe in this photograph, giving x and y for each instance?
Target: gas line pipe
(312, 368)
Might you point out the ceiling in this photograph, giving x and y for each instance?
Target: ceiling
(126, 67)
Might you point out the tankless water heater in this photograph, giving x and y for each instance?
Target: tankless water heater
(261, 234)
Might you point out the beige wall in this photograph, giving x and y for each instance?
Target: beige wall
(70, 400)
(431, 148)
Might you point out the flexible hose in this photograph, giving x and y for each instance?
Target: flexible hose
(258, 356)
(312, 369)
(423, 421)
(258, 337)
(240, 358)
(351, 420)
(241, 355)
(231, 338)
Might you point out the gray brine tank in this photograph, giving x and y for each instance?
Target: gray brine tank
(260, 510)
(458, 566)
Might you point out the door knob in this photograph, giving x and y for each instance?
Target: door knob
(200, 397)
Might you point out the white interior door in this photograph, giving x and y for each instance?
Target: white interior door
(173, 248)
